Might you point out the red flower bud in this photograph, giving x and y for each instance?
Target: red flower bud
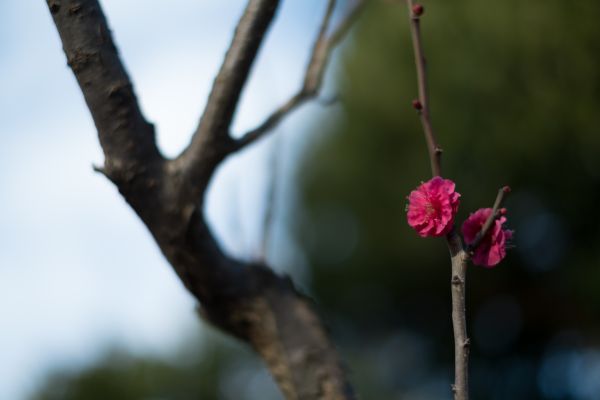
(418, 10)
(506, 189)
(417, 105)
(502, 211)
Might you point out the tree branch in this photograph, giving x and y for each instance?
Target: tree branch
(127, 138)
(250, 302)
(211, 141)
(435, 152)
(459, 259)
(313, 78)
(458, 255)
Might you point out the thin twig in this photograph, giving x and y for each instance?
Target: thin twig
(435, 152)
(321, 52)
(270, 198)
(458, 255)
(502, 192)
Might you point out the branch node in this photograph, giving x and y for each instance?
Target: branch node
(74, 9)
(456, 280)
(79, 58)
(313, 76)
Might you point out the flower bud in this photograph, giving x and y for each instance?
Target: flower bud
(418, 10)
(417, 105)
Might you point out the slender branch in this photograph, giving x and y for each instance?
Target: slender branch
(270, 198)
(211, 141)
(458, 255)
(272, 120)
(435, 152)
(495, 214)
(321, 52)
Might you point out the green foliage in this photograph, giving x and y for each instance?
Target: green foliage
(217, 368)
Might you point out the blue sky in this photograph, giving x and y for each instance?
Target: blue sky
(79, 273)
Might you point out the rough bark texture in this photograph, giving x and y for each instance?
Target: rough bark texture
(247, 301)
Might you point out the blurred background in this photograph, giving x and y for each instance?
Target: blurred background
(89, 309)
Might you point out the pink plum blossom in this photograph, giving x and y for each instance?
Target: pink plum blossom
(432, 207)
(492, 248)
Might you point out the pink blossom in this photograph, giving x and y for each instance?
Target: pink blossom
(492, 248)
(432, 207)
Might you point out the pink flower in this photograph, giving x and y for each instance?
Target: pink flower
(432, 207)
(492, 248)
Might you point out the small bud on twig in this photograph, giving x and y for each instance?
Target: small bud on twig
(417, 105)
(418, 10)
(506, 189)
(502, 211)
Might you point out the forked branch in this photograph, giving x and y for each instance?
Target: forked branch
(211, 142)
(248, 301)
(313, 78)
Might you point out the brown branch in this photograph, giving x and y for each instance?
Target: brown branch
(211, 141)
(458, 255)
(435, 152)
(459, 259)
(321, 52)
(502, 192)
(127, 138)
(250, 302)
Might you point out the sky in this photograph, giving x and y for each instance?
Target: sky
(79, 273)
